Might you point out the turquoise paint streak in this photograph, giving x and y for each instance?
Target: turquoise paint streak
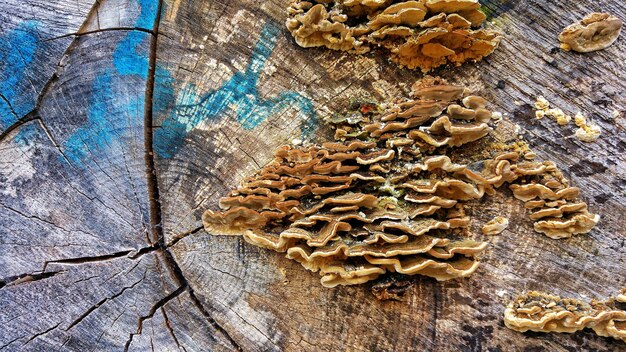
(28, 134)
(239, 93)
(99, 133)
(148, 14)
(128, 58)
(17, 52)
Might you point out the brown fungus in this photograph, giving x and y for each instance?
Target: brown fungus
(542, 312)
(385, 196)
(495, 226)
(596, 31)
(621, 297)
(421, 34)
(314, 26)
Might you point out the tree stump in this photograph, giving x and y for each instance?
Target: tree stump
(122, 121)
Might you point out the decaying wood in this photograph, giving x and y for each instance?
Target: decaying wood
(81, 263)
(132, 117)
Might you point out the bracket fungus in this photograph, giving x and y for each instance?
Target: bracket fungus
(596, 31)
(422, 34)
(495, 226)
(386, 195)
(542, 312)
(621, 297)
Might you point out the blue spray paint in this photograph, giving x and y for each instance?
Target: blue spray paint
(130, 58)
(17, 52)
(240, 94)
(147, 16)
(28, 134)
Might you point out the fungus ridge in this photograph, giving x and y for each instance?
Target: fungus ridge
(542, 312)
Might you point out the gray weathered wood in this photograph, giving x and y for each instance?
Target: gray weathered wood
(33, 38)
(265, 301)
(97, 251)
(82, 266)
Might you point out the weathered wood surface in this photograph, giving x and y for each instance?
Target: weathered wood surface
(80, 259)
(99, 251)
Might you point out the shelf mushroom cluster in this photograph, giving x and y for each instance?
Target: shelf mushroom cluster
(422, 34)
(596, 31)
(542, 312)
(386, 196)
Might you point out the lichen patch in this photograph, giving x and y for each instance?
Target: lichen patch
(586, 132)
(542, 109)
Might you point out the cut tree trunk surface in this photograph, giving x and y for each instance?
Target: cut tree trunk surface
(122, 121)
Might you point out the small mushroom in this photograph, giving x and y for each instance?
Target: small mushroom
(495, 226)
(596, 31)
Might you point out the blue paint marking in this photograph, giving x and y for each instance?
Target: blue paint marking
(27, 134)
(129, 59)
(148, 14)
(17, 52)
(239, 93)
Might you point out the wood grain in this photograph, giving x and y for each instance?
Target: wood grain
(243, 284)
(134, 116)
(82, 265)
(34, 36)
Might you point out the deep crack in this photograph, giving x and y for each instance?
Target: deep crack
(24, 278)
(151, 313)
(180, 236)
(21, 121)
(41, 333)
(111, 29)
(169, 327)
(151, 174)
(153, 188)
(103, 301)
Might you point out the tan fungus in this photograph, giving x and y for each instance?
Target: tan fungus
(542, 312)
(385, 197)
(495, 226)
(421, 34)
(596, 31)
